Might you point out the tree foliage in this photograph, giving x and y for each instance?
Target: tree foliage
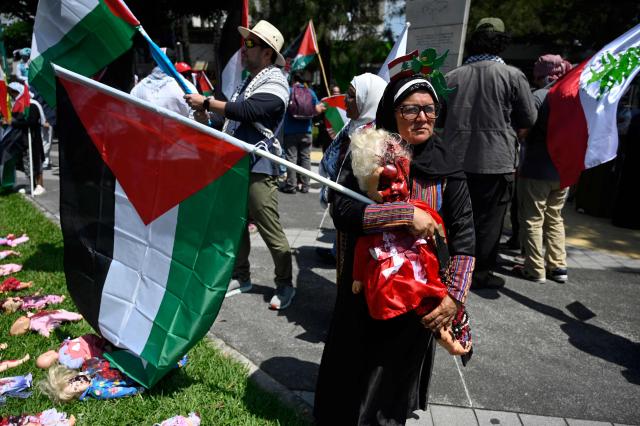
(569, 25)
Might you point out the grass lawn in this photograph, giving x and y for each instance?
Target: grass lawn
(211, 384)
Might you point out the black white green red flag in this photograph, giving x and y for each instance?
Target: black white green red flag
(81, 35)
(152, 215)
(302, 51)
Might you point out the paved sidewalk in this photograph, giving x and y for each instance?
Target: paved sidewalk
(546, 354)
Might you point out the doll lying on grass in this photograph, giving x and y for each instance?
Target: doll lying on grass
(397, 271)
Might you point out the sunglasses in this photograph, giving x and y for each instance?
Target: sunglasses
(411, 112)
(250, 43)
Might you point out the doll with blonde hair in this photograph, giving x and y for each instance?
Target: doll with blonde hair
(397, 271)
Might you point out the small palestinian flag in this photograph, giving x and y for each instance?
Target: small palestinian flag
(204, 85)
(582, 130)
(4, 96)
(335, 116)
(82, 35)
(22, 102)
(152, 207)
(302, 51)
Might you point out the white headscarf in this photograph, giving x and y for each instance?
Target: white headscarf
(18, 87)
(369, 89)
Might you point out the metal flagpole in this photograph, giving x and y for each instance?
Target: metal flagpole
(31, 176)
(251, 149)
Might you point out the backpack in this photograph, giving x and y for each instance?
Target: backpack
(301, 104)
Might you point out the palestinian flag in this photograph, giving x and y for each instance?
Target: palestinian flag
(152, 212)
(81, 35)
(204, 85)
(302, 51)
(22, 102)
(582, 130)
(4, 96)
(335, 116)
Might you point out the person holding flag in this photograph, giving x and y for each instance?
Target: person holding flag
(163, 90)
(254, 114)
(28, 121)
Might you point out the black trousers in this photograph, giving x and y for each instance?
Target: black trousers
(490, 196)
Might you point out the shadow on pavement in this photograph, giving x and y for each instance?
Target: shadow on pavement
(589, 338)
(292, 372)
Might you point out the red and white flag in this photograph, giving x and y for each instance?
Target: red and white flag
(582, 131)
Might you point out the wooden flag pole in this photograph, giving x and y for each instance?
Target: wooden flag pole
(324, 74)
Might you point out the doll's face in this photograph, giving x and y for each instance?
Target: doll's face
(393, 182)
(78, 384)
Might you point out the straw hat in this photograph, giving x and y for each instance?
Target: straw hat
(269, 34)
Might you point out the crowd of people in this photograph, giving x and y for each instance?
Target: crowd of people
(471, 150)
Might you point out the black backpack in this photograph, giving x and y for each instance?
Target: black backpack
(301, 104)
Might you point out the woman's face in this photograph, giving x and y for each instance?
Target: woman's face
(419, 129)
(352, 106)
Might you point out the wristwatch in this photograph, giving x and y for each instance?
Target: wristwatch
(205, 104)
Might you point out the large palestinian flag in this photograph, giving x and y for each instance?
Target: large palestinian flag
(582, 130)
(81, 35)
(152, 212)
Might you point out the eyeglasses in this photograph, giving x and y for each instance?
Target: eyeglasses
(250, 43)
(411, 112)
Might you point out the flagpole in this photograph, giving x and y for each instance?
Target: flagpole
(249, 148)
(31, 176)
(315, 40)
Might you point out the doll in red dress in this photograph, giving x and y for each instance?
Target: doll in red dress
(397, 272)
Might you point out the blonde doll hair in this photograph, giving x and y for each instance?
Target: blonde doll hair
(367, 147)
(57, 380)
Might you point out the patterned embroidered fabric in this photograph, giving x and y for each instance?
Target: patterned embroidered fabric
(483, 57)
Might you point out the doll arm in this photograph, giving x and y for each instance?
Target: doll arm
(20, 326)
(5, 365)
(47, 359)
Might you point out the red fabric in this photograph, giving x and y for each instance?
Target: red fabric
(23, 101)
(403, 276)
(567, 131)
(308, 45)
(184, 159)
(121, 10)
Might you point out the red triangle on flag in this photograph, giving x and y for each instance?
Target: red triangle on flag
(158, 160)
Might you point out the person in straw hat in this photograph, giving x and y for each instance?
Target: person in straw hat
(254, 114)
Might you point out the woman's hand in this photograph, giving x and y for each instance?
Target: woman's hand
(195, 101)
(442, 315)
(423, 224)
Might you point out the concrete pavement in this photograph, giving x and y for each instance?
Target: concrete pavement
(545, 354)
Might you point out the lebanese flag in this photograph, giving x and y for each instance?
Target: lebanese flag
(335, 116)
(399, 49)
(582, 131)
(22, 102)
(81, 35)
(153, 207)
(4, 96)
(204, 85)
(302, 51)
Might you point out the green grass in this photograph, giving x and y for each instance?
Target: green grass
(211, 384)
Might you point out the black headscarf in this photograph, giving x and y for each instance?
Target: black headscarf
(431, 159)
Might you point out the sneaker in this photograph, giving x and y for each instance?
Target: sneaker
(487, 280)
(282, 298)
(524, 274)
(558, 275)
(236, 287)
(304, 190)
(39, 190)
(287, 190)
(22, 191)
